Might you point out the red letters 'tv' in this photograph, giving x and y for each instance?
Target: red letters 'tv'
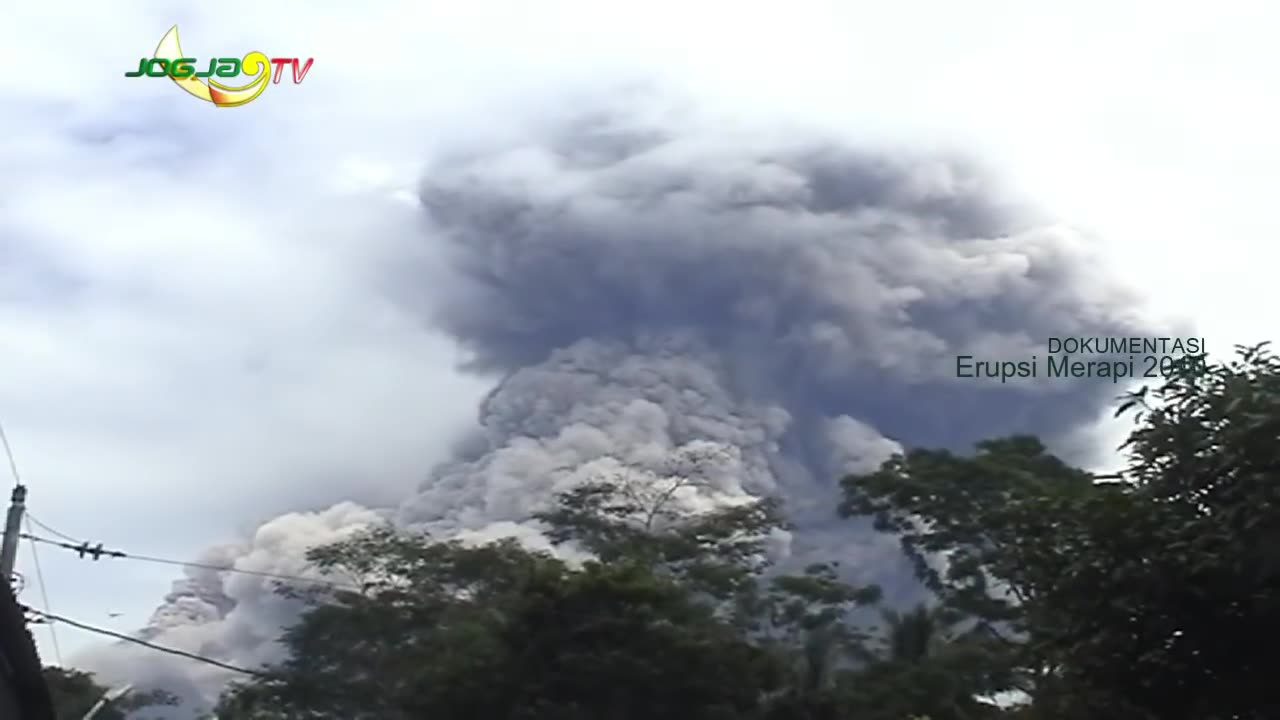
(298, 72)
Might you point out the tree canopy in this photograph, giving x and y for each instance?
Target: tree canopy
(1152, 594)
(1148, 595)
(76, 692)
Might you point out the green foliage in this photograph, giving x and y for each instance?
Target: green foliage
(648, 518)
(674, 618)
(498, 631)
(1154, 596)
(926, 666)
(1203, 599)
(75, 692)
(719, 556)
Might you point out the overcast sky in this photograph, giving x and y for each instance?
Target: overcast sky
(195, 330)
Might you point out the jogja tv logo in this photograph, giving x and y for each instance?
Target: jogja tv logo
(168, 61)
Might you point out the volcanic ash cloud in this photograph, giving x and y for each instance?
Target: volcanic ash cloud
(800, 304)
(655, 292)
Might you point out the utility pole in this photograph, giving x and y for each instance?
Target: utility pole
(108, 697)
(12, 528)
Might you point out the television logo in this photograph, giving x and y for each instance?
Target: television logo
(196, 76)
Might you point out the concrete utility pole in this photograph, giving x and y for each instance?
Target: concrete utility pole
(12, 527)
(108, 697)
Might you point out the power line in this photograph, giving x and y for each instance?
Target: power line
(121, 636)
(36, 520)
(13, 466)
(35, 555)
(84, 549)
(44, 596)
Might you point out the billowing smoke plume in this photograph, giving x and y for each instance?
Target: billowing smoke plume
(651, 290)
(233, 617)
(801, 303)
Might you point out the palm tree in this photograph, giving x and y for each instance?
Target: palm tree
(916, 635)
(924, 668)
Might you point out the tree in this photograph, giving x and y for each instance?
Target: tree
(497, 631)
(1154, 595)
(719, 553)
(927, 666)
(22, 687)
(75, 692)
(676, 616)
(654, 519)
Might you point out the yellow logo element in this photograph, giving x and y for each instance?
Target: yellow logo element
(254, 64)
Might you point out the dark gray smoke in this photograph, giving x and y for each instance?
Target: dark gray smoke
(652, 291)
(644, 286)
